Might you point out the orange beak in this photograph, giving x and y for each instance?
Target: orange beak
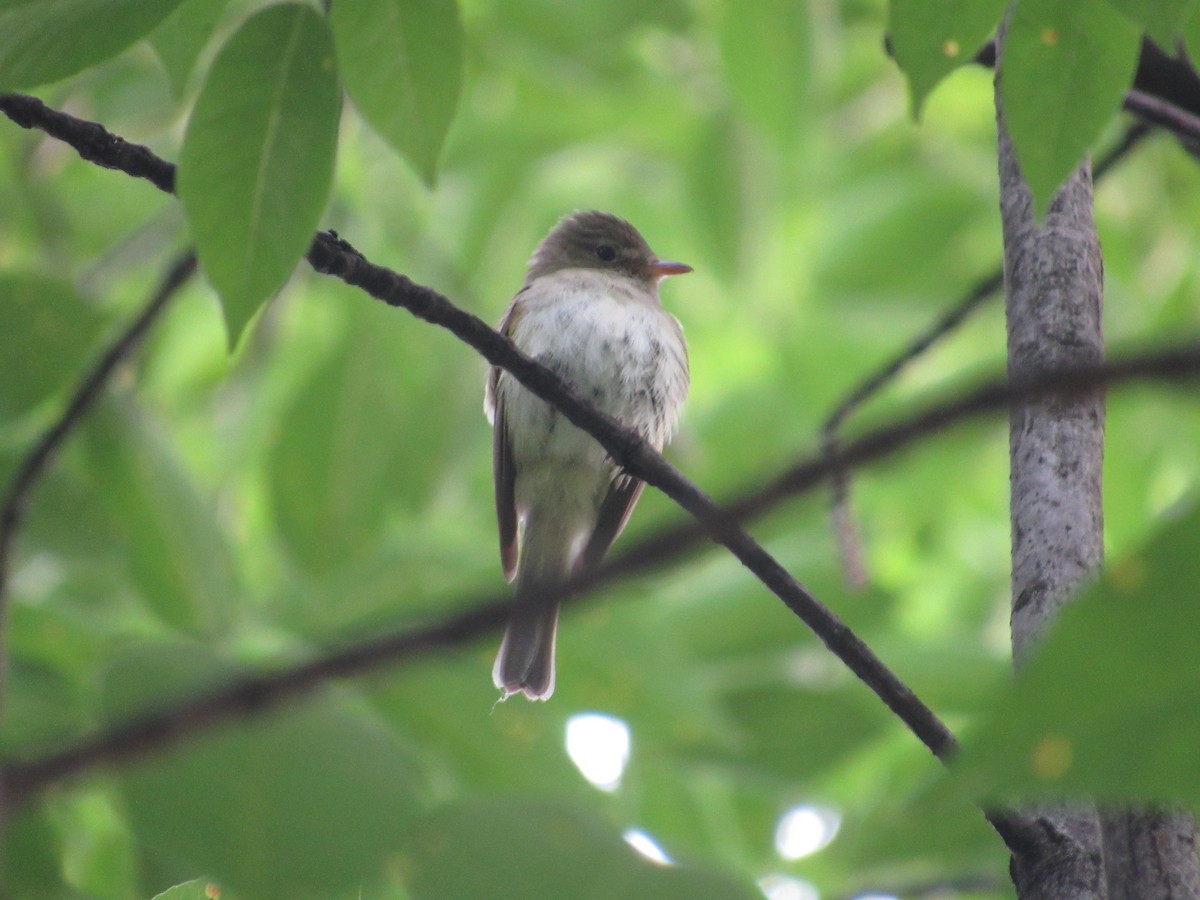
(661, 268)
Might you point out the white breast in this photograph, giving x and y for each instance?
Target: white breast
(614, 345)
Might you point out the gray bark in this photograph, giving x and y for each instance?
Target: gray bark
(1151, 855)
(1053, 296)
(1053, 277)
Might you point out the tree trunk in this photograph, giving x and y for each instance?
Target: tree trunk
(1053, 296)
(1151, 855)
(1053, 277)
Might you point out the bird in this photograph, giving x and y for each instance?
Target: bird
(589, 310)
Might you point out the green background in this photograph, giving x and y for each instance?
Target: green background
(331, 479)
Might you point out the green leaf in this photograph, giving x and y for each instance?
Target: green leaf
(1065, 67)
(765, 48)
(45, 40)
(359, 441)
(175, 549)
(29, 863)
(517, 848)
(1118, 679)
(257, 160)
(299, 804)
(329, 462)
(48, 331)
(402, 62)
(932, 39)
(182, 35)
(1162, 20)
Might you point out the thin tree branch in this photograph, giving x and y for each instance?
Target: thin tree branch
(1164, 114)
(330, 255)
(1169, 364)
(90, 140)
(34, 464)
(984, 289)
(21, 781)
(845, 530)
(636, 456)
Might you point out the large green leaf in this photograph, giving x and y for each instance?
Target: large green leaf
(1107, 706)
(300, 804)
(1065, 68)
(358, 441)
(29, 863)
(48, 330)
(517, 848)
(175, 547)
(45, 40)
(257, 160)
(932, 39)
(402, 62)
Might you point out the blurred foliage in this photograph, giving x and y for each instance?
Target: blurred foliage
(332, 477)
(1075, 710)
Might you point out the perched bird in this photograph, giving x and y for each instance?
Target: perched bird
(590, 311)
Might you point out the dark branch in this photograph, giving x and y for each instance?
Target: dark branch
(90, 140)
(253, 695)
(21, 781)
(31, 468)
(1171, 364)
(1156, 111)
(332, 256)
(869, 387)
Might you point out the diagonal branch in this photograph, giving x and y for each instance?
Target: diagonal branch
(90, 140)
(332, 256)
(31, 468)
(975, 297)
(22, 781)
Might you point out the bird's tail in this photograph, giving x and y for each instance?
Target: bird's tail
(525, 662)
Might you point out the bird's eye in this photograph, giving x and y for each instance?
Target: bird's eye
(606, 253)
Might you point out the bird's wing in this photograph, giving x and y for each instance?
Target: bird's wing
(505, 477)
(615, 510)
(504, 474)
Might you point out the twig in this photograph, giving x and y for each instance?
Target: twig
(1169, 364)
(21, 781)
(867, 388)
(35, 462)
(330, 255)
(637, 457)
(253, 695)
(90, 140)
(972, 300)
(1156, 111)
